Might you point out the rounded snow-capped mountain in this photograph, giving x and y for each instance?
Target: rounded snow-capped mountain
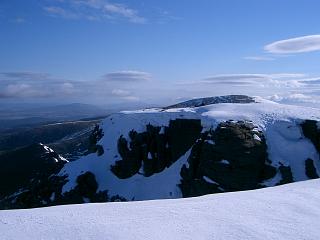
(199, 102)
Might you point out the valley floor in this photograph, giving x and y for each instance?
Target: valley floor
(285, 212)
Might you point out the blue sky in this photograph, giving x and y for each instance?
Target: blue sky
(158, 51)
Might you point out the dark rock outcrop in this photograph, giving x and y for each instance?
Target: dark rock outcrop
(48, 192)
(87, 185)
(38, 193)
(94, 137)
(153, 150)
(84, 191)
(311, 171)
(233, 157)
(31, 178)
(310, 130)
(20, 166)
(286, 175)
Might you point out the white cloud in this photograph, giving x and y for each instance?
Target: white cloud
(245, 81)
(287, 75)
(295, 45)
(34, 90)
(14, 89)
(124, 95)
(23, 76)
(131, 98)
(124, 11)
(299, 96)
(120, 93)
(296, 98)
(127, 76)
(122, 85)
(259, 58)
(21, 90)
(234, 79)
(67, 88)
(136, 86)
(60, 12)
(94, 10)
(34, 84)
(258, 80)
(19, 20)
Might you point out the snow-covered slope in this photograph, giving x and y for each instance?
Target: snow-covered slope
(284, 212)
(280, 124)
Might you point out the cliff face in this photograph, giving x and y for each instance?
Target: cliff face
(152, 151)
(232, 157)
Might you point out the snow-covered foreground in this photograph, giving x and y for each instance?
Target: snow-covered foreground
(285, 212)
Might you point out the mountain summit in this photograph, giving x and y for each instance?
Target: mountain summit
(199, 102)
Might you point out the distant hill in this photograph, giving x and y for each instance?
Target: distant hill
(32, 116)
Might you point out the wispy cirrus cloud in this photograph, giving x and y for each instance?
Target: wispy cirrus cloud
(94, 10)
(259, 58)
(19, 20)
(55, 11)
(302, 44)
(123, 11)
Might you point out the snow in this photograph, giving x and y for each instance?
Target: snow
(138, 187)
(162, 130)
(224, 161)
(287, 146)
(63, 159)
(284, 212)
(209, 180)
(278, 122)
(210, 142)
(256, 137)
(213, 100)
(49, 150)
(53, 196)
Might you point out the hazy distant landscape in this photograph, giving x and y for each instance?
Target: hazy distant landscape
(159, 119)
